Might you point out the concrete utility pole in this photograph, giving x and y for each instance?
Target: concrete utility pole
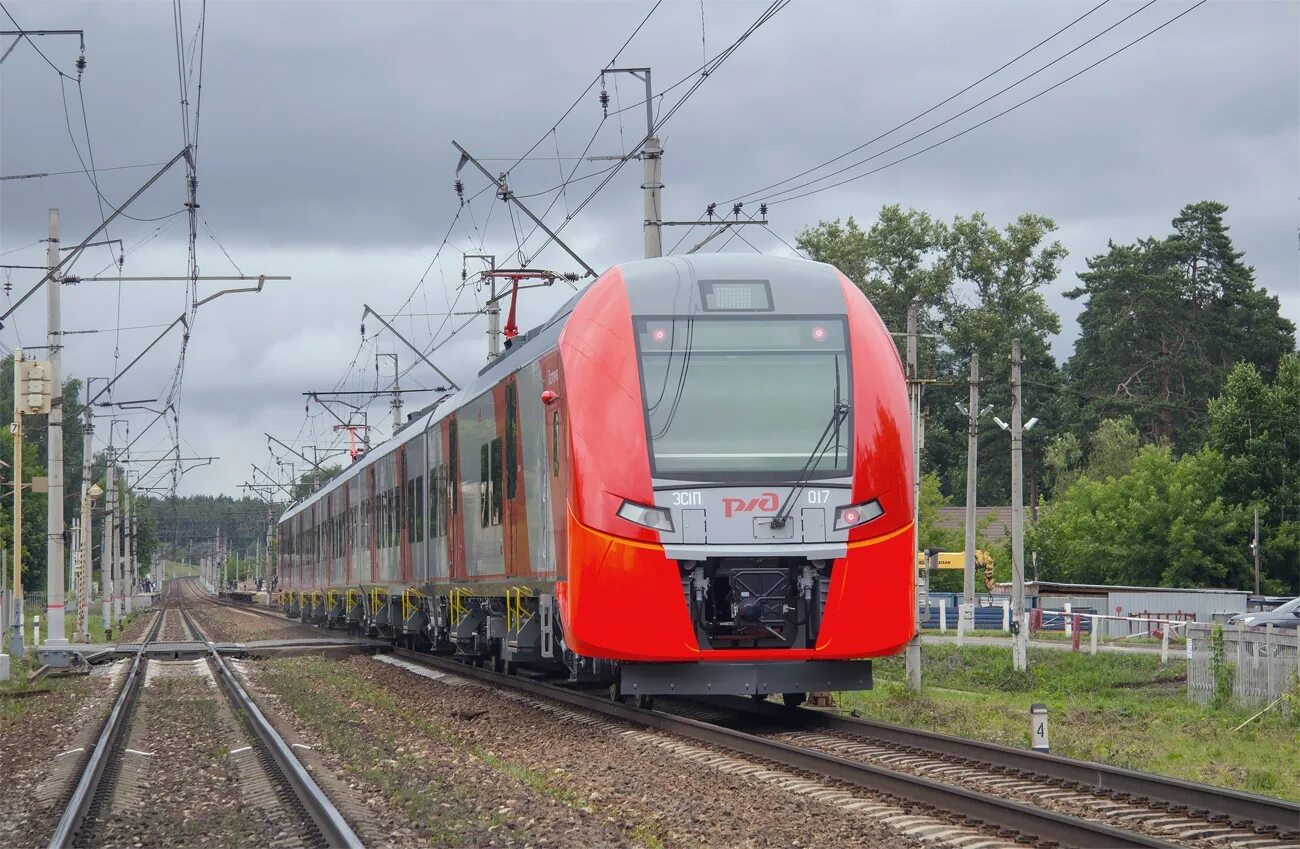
(1254, 546)
(16, 640)
(1020, 632)
(396, 403)
(966, 616)
(913, 654)
(493, 306)
(106, 547)
(119, 550)
(128, 532)
(270, 558)
(54, 553)
(82, 630)
(652, 163)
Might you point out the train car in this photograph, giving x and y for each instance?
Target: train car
(694, 478)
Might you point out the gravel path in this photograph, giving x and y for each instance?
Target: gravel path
(41, 740)
(138, 628)
(188, 776)
(229, 624)
(173, 627)
(451, 761)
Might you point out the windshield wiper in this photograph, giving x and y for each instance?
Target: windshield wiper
(832, 430)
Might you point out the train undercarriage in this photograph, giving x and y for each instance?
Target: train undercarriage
(735, 603)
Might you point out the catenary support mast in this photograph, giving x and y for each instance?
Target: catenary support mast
(54, 550)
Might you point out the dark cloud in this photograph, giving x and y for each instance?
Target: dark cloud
(325, 154)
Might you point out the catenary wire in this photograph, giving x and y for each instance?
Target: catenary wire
(963, 112)
(996, 116)
(920, 115)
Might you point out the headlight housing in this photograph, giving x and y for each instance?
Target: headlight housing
(654, 518)
(857, 514)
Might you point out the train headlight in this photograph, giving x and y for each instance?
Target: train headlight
(857, 514)
(654, 518)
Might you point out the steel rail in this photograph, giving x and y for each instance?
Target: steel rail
(327, 818)
(1036, 823)
(1256, 810)
(110, 733)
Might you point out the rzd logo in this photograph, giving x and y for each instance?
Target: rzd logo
(767, 502)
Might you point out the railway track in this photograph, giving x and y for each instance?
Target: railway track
(1004, 818)
(108, 792)
(1188, 810)
(1025, 795)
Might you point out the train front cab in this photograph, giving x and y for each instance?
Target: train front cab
(740, 518)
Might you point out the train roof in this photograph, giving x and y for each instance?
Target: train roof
(531, 345)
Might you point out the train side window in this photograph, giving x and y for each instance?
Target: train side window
(496, 489)
(512, 428)
(555, 444)
(453, 468)
(484, 467)
(419, 508)
(394, 516)
(435, 530)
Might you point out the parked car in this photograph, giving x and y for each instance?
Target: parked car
(1286, 616)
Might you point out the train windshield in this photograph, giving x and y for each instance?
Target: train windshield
(745, 398)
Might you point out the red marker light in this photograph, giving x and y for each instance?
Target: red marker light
(851, 517)
(818, 333)
(659, 334)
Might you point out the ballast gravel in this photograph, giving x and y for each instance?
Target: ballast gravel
(44, 732)
(463, 761)
(231, 625)
(179, 783)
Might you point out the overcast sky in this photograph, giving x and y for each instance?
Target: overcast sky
(325, 153)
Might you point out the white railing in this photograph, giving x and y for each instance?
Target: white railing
(1254, 665)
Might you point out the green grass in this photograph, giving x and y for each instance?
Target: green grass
(94, 622)
(178, 570)
(51, 700)
(1123, 709)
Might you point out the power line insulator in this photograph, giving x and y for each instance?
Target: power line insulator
(762, 210)
(604, 101)
(460, 188)
(81, 65)
(735, 208)
(711, 209)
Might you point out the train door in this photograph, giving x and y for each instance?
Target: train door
(372, 521)
(348, 531)
(515, 548)
(402, 513)
(557, 453)
(455, 502)
(435, 526)
(482, 492)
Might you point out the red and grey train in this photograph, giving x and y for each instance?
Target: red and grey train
(694, 478)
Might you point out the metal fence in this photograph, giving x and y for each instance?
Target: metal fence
(1247, 666)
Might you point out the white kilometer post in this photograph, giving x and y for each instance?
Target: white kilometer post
(1038, 727)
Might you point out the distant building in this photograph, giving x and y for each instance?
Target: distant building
(997, 529)
(1172, 603)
